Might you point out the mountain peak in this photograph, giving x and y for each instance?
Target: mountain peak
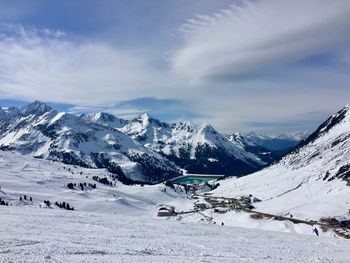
(145, 117)
(35, 107)
(336, 120)
(102, 116)
(106, 118)
(205, 127)
(342, 115)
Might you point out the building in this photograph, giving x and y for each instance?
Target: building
(166, 211)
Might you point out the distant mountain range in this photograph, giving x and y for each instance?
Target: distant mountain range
(143, 149)
(279, 144)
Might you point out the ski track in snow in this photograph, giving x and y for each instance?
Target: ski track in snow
(290, 190)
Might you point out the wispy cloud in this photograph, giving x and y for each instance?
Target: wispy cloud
(251, 36)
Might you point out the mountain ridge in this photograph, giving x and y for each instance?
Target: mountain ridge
(42, 132)
(143, 149)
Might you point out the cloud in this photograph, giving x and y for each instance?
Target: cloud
(262, 61)
(164, 109)
(53, 66)
(305, 121)
(252, 36)
(151, 103)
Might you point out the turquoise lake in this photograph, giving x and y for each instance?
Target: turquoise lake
(194, 179)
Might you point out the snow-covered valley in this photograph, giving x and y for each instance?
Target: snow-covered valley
(118, 223)
(231, 220)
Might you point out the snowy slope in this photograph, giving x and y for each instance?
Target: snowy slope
(198, 148)
(117, 223)
(42, 132)
(311, 182)
(47, 235)
(48, 180)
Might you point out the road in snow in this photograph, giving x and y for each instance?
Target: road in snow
(50, 235)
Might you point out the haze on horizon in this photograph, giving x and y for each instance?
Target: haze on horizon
(259, 65)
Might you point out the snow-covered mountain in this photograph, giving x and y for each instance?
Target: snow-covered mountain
(106, 118)
(280, 143)
(311, 182)
(264, 154)
(42, 132)
(198, 148)
(143, 149)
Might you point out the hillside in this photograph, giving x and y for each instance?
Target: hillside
(311, 182)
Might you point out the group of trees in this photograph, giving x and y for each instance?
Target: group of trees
(26, 198)
(2, 202)
(102, 180)
(64, 205)
(82, 186)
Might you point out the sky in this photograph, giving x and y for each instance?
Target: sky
(268, 66)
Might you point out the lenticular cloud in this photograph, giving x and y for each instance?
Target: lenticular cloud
(259, 34)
